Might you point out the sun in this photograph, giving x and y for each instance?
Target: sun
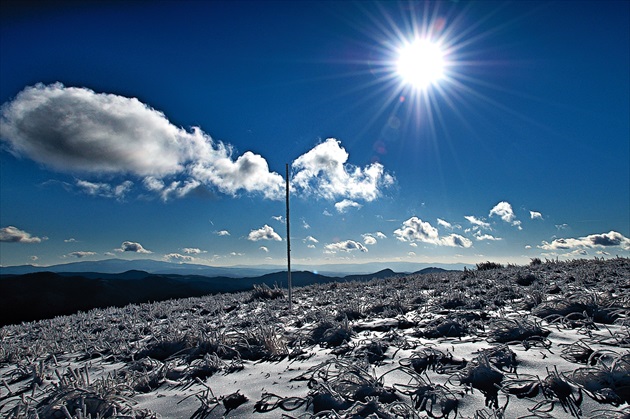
(421, 63)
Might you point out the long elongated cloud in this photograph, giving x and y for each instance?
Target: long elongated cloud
(609, 239)
(75, 130)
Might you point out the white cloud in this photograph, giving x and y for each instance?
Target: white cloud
(411, 254)
(481, 237)
(12, 234)
(128, 246)
(193, 251)
(413, 244)
(305, 225)
(80, 254)
(562, 226)
(535, 215)
(455, 240)
(178, 257)
(105, 190)
(264, 233)
(477, 222)
(249, 172)
(175, 189)
(504, 210)
(311, 246)
(324, 172)
(343, 206)
(73, 129)
(416, 230)
(310, 239)
(264, 249)
(278, 218)
(380, 235)
(444, 224)
(369, 240)
(344, 246)
(70, 240)
(609, 239)
(223, 233)
(327, 213)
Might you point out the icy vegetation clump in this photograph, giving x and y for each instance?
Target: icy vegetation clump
(550, 339)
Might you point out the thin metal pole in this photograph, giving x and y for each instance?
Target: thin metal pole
(289, 243)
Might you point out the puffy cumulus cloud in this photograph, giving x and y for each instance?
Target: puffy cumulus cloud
(12, 234)
(222, 233)
(416, 230)
(176, 257)
(324, 172)
(73, 129)
(343, 206)
(104, 189)
(344, 246)
(249, 172)
(134, 247)
(609, 239)
(264, 233)
(193, 251)
(380, 235)
(310, 239)
(504, 210)
(477, 222)
(535, 215)
(80, 254)
(369, 239)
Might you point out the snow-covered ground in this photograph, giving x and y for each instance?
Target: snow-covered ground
(548, 340)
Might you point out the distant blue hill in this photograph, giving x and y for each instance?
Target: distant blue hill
(116, 266)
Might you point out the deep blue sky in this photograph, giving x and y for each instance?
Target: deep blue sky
(526, 140)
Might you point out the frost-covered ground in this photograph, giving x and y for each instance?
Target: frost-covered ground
(547, 340)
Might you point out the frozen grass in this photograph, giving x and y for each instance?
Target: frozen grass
(458, 344)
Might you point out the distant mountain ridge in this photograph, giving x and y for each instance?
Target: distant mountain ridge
(41, 295)
(116, 266)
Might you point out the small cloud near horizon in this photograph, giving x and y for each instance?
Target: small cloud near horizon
(344, 246)
(171, 257)
(134, 247)
(609, 239)
(80, 254)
